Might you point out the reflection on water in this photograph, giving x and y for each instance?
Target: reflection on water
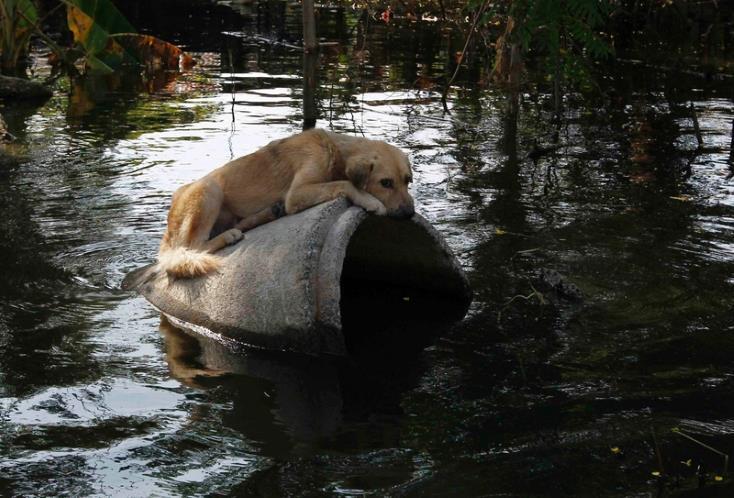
(533, 393)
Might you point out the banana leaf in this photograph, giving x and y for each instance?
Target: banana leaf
(110, 41)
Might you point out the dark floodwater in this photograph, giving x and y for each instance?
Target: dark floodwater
(607, 377)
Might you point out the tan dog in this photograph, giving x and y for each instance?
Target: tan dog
(294, 173)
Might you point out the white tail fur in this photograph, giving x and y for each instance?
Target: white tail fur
(183, 262)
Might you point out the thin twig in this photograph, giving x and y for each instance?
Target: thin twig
(463, 53)
(676, 430)
(658, 453)
(696, 127)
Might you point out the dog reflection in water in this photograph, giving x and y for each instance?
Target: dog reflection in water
(269, 394)
(183, 354)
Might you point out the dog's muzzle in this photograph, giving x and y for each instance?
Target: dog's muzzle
(402, 213)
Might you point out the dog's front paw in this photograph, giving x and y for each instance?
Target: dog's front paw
(232, 235)
(381, 210)
(372, 205)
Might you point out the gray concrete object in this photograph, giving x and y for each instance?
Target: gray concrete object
(280, 287)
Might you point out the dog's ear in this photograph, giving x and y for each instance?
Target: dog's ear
(358, 171)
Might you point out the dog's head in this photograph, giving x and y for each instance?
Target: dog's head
(383, 171)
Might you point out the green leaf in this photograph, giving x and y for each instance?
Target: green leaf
(97, 65)
(17, 22)
(92, 22)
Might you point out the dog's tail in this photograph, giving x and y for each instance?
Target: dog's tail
(182, 262)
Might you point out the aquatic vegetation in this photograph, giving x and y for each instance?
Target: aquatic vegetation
(17, 21)
(104, 40)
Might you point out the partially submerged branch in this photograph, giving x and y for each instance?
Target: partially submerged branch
(20, 88)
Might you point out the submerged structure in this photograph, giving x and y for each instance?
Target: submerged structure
(281, 287)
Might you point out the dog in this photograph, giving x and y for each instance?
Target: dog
(284, 177)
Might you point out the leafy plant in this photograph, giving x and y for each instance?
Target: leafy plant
(566, 34)
(108, 41)
(104, 40)
(17, 20)
(92, 22)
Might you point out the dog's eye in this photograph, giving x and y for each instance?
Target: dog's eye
(386, 182)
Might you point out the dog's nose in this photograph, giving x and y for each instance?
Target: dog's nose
(403, 212)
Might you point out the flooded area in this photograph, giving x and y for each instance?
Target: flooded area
(597, 358)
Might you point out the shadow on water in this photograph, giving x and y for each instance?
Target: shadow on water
(300, 408)
(282, 401)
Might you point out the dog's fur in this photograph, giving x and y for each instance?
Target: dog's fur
(296, 173)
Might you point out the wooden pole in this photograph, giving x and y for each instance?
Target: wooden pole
(310, 78)
(310, 65)
(309, 27)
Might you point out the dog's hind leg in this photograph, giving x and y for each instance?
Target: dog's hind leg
(204, 203)
(228, 237)
(185, 250)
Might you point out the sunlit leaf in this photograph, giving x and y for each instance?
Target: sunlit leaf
(682, 198)
(110, 41)
(92, 22)
(499, 231)
(718, 478)
(616, 450)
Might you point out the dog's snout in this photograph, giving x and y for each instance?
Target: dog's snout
(403, 212)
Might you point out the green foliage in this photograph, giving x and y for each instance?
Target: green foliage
(104, 40)
(93, 22)
(562, 26)
(108, 41)
(565, 36)
(17, 21)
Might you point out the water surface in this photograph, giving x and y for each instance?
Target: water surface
(545, 388)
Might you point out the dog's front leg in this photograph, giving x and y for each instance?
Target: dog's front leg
(261, 217)
(304, 196)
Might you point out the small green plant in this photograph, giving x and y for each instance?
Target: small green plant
(17, 20)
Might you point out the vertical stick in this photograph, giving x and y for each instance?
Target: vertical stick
(731, 146)
(310, 65)
(309, 27)
(310, 72)
(696, 127)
